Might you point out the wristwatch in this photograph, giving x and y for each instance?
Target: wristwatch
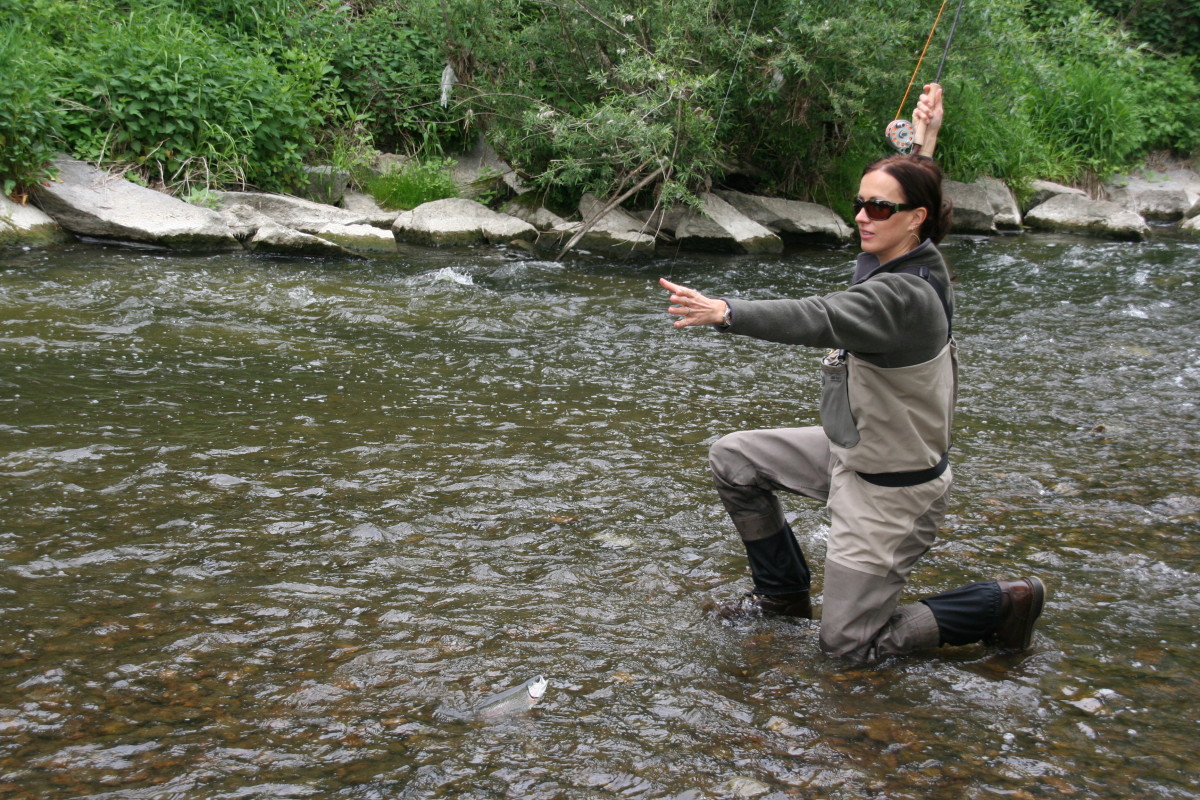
(727, 320)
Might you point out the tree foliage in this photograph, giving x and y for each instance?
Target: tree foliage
(793, 97)
(603, 96)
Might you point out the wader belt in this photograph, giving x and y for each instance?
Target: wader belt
(914, 478)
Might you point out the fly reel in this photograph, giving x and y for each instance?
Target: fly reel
(901, 135)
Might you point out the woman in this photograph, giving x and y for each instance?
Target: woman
(879, 458)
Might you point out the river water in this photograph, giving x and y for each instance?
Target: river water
(270, 528)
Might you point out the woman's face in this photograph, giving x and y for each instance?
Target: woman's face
(892, 237)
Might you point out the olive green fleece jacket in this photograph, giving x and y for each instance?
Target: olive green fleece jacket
(886, 318)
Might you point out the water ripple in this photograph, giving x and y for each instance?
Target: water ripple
(273, 527)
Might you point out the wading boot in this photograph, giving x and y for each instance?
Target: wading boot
(753, 604)
(1021, 604)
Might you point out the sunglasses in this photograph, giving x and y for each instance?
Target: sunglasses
(879, 210)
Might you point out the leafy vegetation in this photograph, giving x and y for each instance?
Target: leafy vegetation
(414, 183)
(1167, 26)
(1103, 98)
(157, 90)
(28, 123)
(387, 70)
(792, 98)
(655, 100)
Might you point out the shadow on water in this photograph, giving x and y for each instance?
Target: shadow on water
(270, 528)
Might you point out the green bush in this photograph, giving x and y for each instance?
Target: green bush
(1089, 116)
(259, 21)
(793, 98)
(1171, 26)
(28, 122)
(1167, 104)
(1104, 99)
(579, 98)
(646, 124)
(769, 95)
(386, 72)
(416, 182)
(154, 89)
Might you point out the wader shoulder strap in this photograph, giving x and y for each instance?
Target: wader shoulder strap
(923, 274)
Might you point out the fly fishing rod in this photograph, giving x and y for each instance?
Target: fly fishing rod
(901, 133)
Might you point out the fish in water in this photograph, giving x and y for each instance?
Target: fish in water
(510, 701)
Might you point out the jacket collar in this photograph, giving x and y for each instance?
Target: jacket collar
(868, 266)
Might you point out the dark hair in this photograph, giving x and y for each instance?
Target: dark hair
(920, 179)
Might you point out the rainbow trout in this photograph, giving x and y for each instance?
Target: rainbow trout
(510, 701)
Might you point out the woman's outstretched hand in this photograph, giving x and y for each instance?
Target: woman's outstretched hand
(691, 307)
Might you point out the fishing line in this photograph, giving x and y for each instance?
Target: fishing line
(900, 132)
(736, 63)
(720, 114)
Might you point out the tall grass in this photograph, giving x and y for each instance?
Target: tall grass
(414, 183)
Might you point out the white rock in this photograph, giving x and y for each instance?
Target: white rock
(541, 218)
(1164, 203)
(973, 211)
(617, 233)
(293, 212)
(481, 165)
(1167, 195)
(1081, 214)
(27, 225)
(720, 227)
(90, 202)
(1041, 191)
(457, 221)
(278, 240)
(791, 220)
(244, 220)
(1004, 203)
(616, 220)
(364, 206)
(623, 244)
(359, 238)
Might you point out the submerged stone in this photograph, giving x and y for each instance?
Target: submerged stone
(27, 225)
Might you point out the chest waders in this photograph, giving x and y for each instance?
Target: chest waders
(836, 416)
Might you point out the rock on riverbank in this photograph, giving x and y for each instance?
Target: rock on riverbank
(28, 226)
(1076, 214)
(91, 203)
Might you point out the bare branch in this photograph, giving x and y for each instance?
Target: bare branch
(609, 206)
